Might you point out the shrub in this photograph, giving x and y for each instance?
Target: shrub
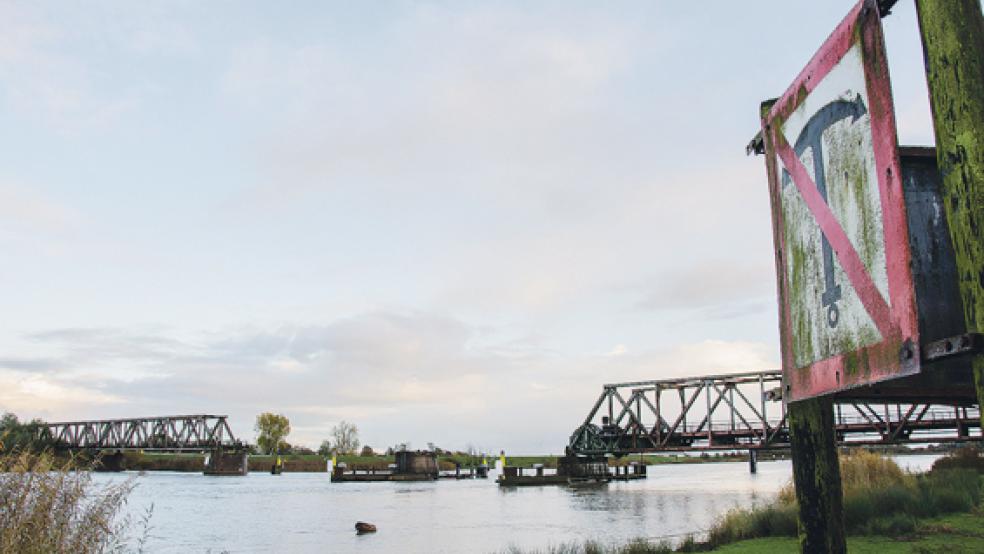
(967, 457)
(950, 490)
(895, 525)
(52, 506)
(766, 521)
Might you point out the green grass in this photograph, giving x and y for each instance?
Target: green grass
(952, 534)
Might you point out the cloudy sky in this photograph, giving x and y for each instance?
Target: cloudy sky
(446, 222)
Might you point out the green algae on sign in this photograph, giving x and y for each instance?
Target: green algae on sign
(851, 186)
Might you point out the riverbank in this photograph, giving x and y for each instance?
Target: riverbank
(953, 533)
(886, 509)
(314, 463)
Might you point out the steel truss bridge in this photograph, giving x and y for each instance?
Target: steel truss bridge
(744, 411)
(168, 433)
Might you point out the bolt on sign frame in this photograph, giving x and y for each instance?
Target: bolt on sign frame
(849, 301)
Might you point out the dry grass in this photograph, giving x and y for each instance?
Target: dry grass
(879, 499)
(49, 506)
(861, 471)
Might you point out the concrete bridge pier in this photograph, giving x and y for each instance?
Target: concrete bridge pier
(111, 462)
(226, 462)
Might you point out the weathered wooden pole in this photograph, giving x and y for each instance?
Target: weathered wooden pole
(953, 48)
(816, 475)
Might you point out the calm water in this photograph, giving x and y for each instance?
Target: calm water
(304, 512)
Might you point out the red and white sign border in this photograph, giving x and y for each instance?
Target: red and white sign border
(898, 353)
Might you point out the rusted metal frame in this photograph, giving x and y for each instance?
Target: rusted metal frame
(195, 431)
(761, 416)
(779, 427)
(867, 417)
(131, 433)
(660, 422)
(90, 433)
(591, 415)
(902, 422)
(707, 395)
(627, 409)
(923, 412)
(741, 378)
(214, 432)
(967, 343)
(731, 395)
(681, 392)
(172, 423)
(219, 431)
(734, 410)
(710, 410)
(683, 415)
(887, 425)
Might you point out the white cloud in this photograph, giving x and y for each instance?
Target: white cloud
(395, 374)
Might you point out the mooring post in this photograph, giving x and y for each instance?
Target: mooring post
(953, 48)
(816, 474)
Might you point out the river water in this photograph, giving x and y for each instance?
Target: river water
(305, 512)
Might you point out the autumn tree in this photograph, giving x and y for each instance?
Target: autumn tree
(346, 437)
(271, 430)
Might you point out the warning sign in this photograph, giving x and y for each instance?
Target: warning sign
(847, 304)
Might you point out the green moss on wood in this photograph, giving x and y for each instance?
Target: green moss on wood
(953, 47)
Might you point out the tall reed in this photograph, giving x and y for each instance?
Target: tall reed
(49, 505)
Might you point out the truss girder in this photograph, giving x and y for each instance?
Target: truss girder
(175, 433)
(729, 419)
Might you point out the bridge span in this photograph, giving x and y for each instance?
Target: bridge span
(183, 433)
(744, 411)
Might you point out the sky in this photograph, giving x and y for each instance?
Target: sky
(444, 222)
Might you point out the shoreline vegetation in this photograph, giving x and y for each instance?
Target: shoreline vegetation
(50, 504)
(154, 461)
(886, 509)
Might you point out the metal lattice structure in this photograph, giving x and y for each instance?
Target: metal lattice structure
(679, 415)
(169, 433)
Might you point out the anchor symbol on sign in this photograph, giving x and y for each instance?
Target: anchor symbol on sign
(812, 137)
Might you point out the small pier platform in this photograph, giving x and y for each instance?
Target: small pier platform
(572, 470)
(409, 466)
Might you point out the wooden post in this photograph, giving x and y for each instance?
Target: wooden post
(953, 48)
(816, 474)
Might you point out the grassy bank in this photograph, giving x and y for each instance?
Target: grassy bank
(885, 510)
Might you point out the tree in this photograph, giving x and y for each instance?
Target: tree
(17, 435)
(325, 448)
(272, 429)
(346, 436)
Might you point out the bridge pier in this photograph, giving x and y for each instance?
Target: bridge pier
(225, 462)
(114, 462)
(752, 461)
